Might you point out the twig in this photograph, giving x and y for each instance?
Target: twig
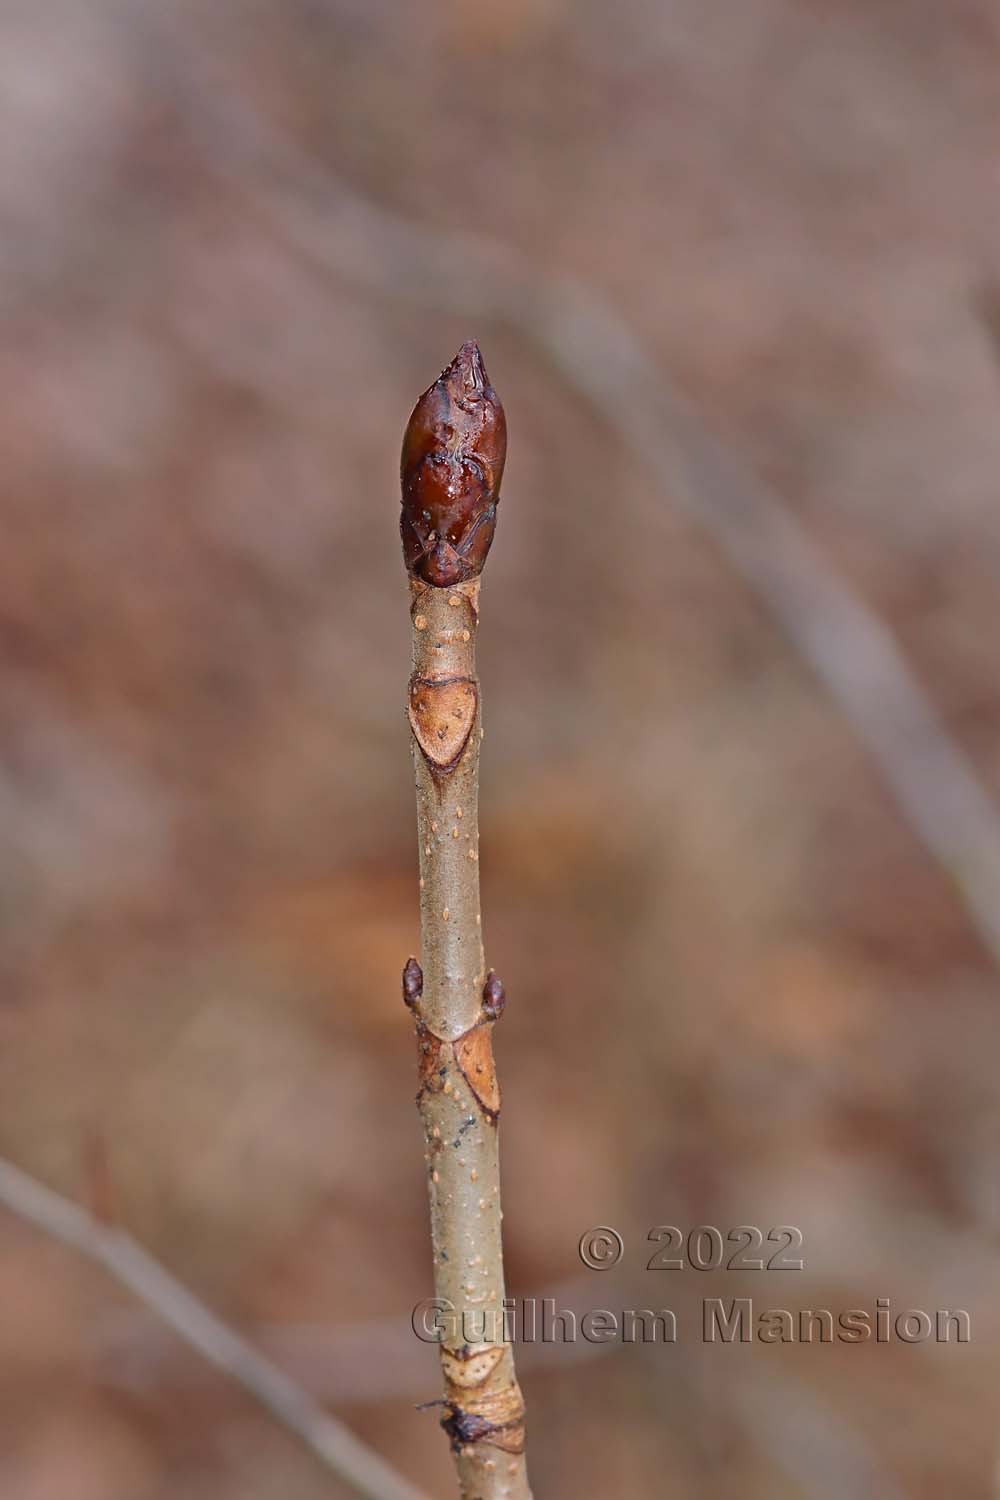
(452, 464)
(332, 1443)
(849, 648)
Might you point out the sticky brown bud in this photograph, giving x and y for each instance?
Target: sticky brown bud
(494, 997)
(453, 456)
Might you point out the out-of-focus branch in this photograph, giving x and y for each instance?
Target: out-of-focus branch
(374, 1359)
(356, 1465)
(842, 639)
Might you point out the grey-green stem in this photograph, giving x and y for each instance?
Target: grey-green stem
(455, 1011)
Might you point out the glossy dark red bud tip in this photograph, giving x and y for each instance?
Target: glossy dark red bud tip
(452, 463)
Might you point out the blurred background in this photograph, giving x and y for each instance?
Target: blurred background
(736, 275)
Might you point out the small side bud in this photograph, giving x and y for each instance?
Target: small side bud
(464, 1427)
(413, 982)
(494, 997)
(452, 463)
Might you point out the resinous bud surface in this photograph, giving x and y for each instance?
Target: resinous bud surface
(452, 463)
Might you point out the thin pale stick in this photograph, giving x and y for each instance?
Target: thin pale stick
(355, 1464)
(453, 456)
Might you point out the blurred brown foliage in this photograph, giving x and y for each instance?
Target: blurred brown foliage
(739, 990)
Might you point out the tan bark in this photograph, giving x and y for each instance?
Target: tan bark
(455, 1006)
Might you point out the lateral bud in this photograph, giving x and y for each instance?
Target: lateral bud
(413, 983)
(494, 997)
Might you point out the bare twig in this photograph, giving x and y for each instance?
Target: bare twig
(453, 458)
(356, 1465)
(849, 648)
